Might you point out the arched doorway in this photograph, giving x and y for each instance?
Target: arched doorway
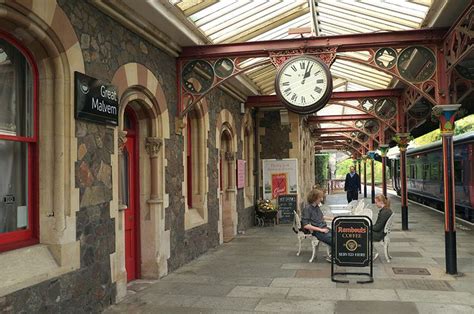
(227, 185)
(130, 192)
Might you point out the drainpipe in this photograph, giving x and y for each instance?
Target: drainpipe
(256, 170)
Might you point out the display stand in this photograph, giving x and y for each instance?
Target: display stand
(352, 246)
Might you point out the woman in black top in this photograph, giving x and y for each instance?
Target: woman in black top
(384, 214)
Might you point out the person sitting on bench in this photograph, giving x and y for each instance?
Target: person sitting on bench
(312, 218)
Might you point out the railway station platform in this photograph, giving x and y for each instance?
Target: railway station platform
(259, 272)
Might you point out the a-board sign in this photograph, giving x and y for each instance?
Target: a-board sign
(286, 205)
(352, 241)
(95, 101)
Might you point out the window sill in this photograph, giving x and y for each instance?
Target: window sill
(28, 266)
(193, 219)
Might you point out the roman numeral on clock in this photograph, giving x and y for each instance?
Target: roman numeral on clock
(294, 97)
(318, 90)
(320, 81)
(286, 84)
(293, 67)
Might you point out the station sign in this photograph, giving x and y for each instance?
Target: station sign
(95, 101)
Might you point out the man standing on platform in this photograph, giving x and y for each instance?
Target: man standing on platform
(352, 185)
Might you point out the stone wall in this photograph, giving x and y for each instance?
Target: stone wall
(89, 289)
(275, 140)
(106, 46)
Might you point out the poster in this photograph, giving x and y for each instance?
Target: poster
(240, 173)
(279, 184)
(280, 176)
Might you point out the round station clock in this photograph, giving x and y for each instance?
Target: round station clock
(304, 84)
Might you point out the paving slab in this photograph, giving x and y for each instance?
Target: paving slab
(430, 308)
(326, 294)
(373, 294)
(385, 307)
(444, 297)
(295, 306)
(258, 292)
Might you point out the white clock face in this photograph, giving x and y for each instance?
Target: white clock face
(303, 81)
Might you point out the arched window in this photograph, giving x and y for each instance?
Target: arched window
(18, 137)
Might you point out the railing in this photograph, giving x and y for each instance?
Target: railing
(336, 185)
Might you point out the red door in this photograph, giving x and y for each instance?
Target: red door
(131, 200)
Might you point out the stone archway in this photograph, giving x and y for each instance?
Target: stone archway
(140, 91)
(227, 149)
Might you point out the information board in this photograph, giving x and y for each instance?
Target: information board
(286, 205)
(280, 176)
(352, 243)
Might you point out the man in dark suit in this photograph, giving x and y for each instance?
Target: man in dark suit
(352, 185)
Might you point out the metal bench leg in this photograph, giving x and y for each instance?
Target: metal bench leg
(385, 248)
(314, 244)
(299, 246)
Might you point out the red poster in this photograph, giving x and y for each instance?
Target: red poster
(279, 184)
(240, 173)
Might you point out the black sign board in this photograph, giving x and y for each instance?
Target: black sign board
(286, 205)
(95, 101)
(352, 244)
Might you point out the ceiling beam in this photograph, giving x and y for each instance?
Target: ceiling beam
(343, 42)
(348, 117)
(274, 101)
(333, 130)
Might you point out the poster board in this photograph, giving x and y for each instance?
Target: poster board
(240, 173)
(280, 176)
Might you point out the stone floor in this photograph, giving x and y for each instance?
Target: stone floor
(259, 272)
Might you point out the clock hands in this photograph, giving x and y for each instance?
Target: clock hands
(307, 72)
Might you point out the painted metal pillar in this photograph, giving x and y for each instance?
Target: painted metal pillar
(446, 115)
(383, 152)
(403, 139)
(358, 164)
(364, 158)
(371, 155)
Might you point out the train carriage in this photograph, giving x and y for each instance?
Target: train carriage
(425, 175)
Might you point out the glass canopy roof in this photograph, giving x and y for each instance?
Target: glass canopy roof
(234, 21)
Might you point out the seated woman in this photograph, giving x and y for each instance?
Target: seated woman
(384, 214)
(312, 218)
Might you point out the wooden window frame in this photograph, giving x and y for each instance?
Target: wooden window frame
(30, 236)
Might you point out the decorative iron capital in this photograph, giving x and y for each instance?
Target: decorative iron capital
(383, 148)
(446, 115)
(402, 139)
(371, 154)
(365, 158)
(153, 145)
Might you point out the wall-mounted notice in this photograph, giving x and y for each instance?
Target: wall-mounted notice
(280, 176)
(240, 173)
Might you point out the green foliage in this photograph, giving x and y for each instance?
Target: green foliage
(462, 126)
(342, 168)
(321, 164)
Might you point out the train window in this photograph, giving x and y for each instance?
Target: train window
(458, 172)
(434, 173)
(426, 171)
(412, 173)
